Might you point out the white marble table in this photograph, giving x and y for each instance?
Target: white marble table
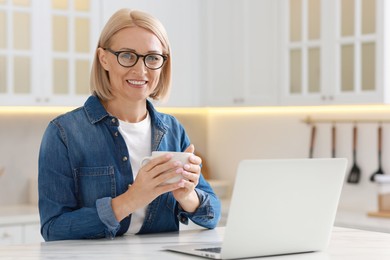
(345, 244)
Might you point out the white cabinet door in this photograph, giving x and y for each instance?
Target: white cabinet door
(11, 235)
(240, 49)
(21, 233)
(333, 51)
(359, 51)
(46, 49)
(70, 30)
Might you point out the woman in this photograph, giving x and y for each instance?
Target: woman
(91, 183)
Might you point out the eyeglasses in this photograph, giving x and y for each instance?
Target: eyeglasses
(129, 59)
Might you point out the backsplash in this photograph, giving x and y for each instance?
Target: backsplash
(20, 137)
(270, 135)
(223, 137)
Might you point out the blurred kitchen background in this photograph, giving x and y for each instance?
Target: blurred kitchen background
(250, 80)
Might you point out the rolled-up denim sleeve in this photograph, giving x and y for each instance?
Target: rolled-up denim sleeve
(208, 213)
(107, 216)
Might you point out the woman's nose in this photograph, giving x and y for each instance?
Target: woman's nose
(140, 66)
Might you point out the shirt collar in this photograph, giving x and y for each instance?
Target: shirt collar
(156, 117)
(96, 112)
(94, 109)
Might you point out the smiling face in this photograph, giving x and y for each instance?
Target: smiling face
(136, 83)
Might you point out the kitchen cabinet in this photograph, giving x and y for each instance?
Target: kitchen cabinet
(52, 67)
(218, 51)
(333, 51)
(19, 224)
(20, 234)
(45, 51)
(239, 60)
(11, 234)
(225, 52)
(32, 233)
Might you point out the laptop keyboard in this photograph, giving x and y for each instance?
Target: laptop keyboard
(210, 249)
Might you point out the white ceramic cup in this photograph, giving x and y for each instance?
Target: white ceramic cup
(183, 157)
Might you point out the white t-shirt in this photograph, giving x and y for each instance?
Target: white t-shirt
(138, 141)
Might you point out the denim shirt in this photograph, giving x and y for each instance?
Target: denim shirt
(84, 163)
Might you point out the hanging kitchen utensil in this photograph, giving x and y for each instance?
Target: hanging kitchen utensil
(379, 171)
(312, 140)
(333, 141)
(354, 174)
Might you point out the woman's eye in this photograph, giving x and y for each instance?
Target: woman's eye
(153, 58)
(127, 55)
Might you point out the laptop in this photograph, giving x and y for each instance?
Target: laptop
(278, 207)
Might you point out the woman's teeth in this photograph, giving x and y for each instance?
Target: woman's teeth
(136, 82)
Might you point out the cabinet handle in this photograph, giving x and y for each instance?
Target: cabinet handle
(44, 100)
(238, 100)
(6, 235)
(327, 98)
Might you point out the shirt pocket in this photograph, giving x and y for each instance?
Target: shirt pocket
(93, 183)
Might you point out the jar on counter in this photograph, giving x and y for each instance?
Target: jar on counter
(383, 182)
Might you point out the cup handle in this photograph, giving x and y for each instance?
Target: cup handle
(145, 160)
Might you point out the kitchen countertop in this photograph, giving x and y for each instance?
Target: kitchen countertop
(345, 244)
(23, 214)
(360, 220)
(357, 219)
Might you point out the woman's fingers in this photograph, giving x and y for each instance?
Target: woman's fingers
(161, 178)
(194, 168)
(195, 160)
(190, 149)
(161, 169)
(157, 161)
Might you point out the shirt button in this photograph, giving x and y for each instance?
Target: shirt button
(113, 120)
(124, 158)
(116, 134)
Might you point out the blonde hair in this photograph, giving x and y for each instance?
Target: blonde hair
(124, 18)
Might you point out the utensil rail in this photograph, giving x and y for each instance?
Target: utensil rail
(308, 120)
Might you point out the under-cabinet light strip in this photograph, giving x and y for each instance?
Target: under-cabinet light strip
(337, 109)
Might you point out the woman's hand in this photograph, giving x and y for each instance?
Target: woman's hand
(148, 185)
(186, 195)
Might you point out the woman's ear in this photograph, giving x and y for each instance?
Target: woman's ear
(103, 58)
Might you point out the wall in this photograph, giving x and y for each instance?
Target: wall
(281, 133)
(224, 136)
(20, 137)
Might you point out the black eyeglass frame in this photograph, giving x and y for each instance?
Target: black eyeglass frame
(117, 53)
